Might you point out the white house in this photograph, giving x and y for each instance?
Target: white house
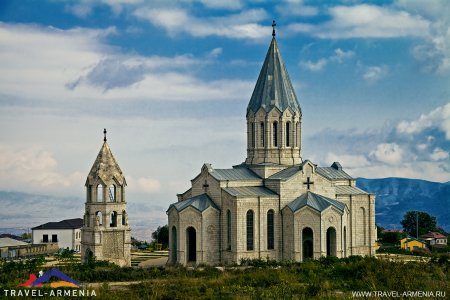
(67, 233)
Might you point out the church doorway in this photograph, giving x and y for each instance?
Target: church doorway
(307, 242)
(331, 241)
(191, 240)
(174, 245)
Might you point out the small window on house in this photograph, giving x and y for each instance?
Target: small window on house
(54, 238)
(45, 238)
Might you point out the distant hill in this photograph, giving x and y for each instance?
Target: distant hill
(396, 196)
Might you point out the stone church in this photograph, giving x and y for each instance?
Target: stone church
(106, 234)
(275, 205)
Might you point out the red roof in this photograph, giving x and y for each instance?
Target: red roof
(433, 235)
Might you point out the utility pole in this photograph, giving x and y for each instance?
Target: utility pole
(417, 224)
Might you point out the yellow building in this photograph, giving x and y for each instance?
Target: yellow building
(411, 244)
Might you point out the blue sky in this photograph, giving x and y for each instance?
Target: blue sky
(171, 80)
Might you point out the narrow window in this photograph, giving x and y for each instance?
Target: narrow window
(45, 238)
(297, 137)
(124, 217)
(270, 230)
(113, 222)
(249, 230)
(228, 230)
(112, 193)
(252, 135)
(54, 238)
(262, 134)
(99, 193)
(288, 134)
(275, 134)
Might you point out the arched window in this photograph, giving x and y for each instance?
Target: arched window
(98, 218)
(275, 134)
(331, 241)
(288, 134)
(362, 226)
(228, 230)
(308, 243)
(262, 134)
(173, 249)
(99, 193)
(250, 230)
(112, 193)
(270, 230)
(113, 219)
(124, 217)
(252, 135)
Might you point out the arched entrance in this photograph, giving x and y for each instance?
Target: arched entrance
(173, 247)
(331, 241)
(307, 243)
(191, 244)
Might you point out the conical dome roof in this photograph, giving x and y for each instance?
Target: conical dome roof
(273, 88)
(106, 167)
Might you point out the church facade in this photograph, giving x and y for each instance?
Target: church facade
(275, 205)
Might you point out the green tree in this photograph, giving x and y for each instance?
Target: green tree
(161, 235)
(426, 222)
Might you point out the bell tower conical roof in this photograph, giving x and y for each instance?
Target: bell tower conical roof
(105, 166)
(274, 87)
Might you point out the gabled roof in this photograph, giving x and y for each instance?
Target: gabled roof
(250, 191)
(287, 173)
(64, 224)
(200, 203)
(349, 190)
(9, 242)
(315, 201)
(106, 167)
(333, 173)
(434, 235)
(239, 173)
(273, 88)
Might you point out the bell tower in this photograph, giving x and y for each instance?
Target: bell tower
(106, 234)
(273, 115)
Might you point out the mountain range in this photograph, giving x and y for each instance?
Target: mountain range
(396, 196)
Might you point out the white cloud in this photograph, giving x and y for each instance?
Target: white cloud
(348, 160)
(339, 56)
(228, 4)
(367, 21)
(439, 154)
(215, 52)
(389, 153)
(374, 73)
(77, 65)
(296, 8)
(238, 26)
(439, 118)
(33, 167)
(143, 184)
(314, 66)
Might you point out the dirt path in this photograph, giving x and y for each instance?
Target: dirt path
(155, 262)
